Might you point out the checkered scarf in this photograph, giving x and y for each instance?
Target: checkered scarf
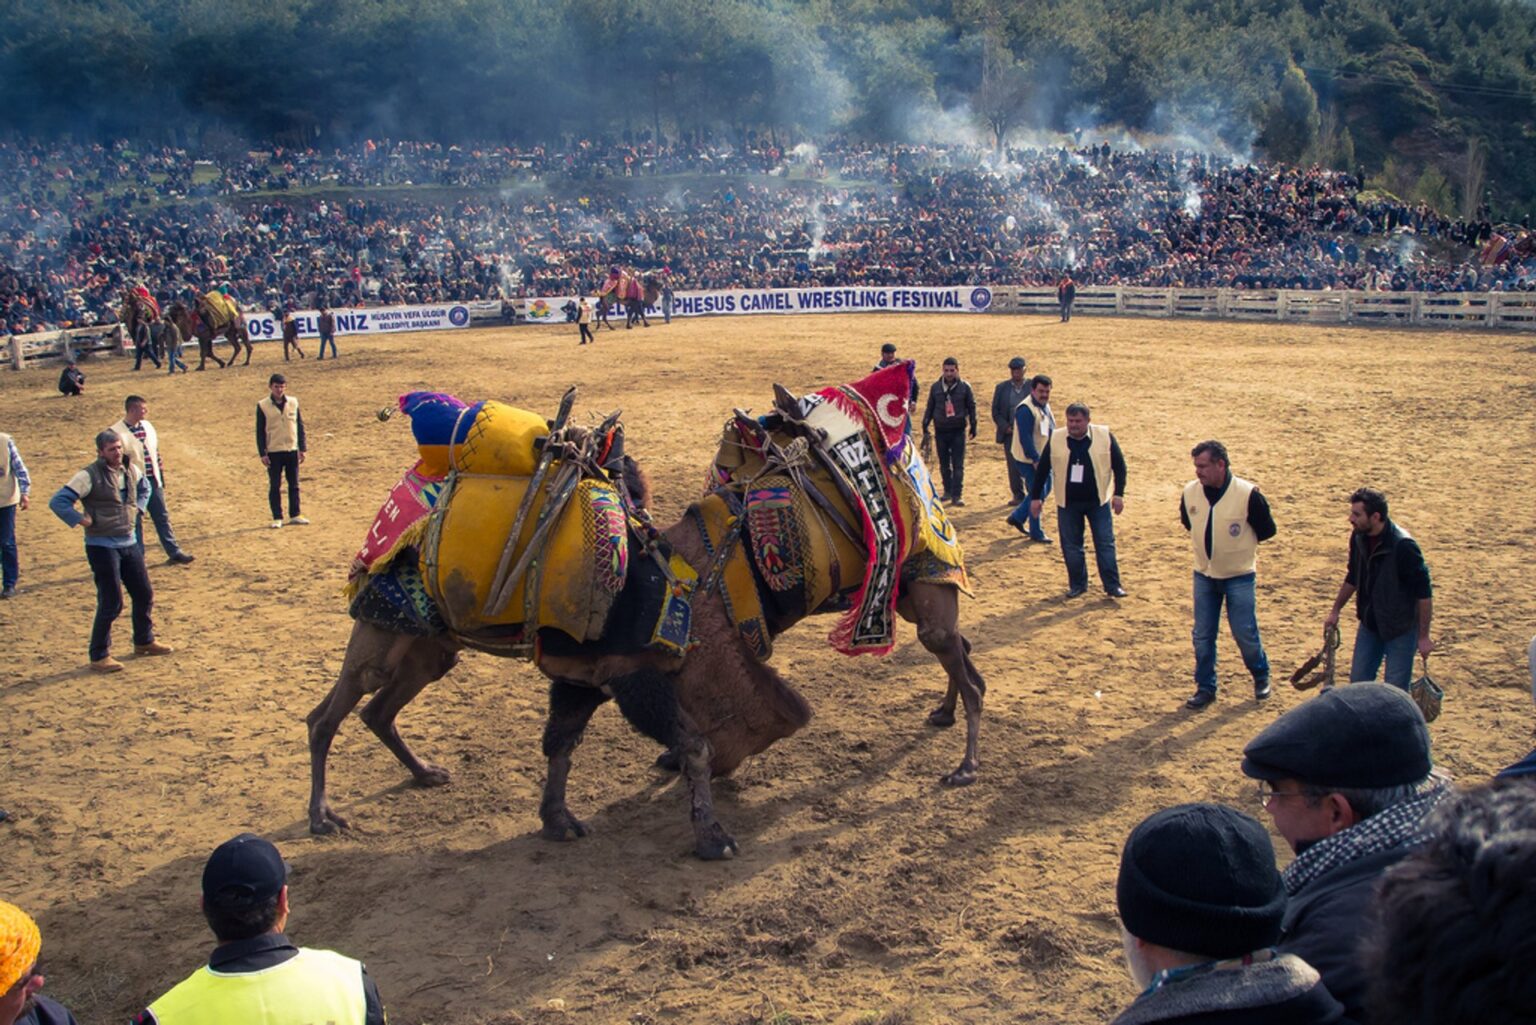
(1401, 824)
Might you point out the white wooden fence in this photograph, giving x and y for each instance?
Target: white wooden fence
(1506, 310)
(1510, 310)
(51, 347)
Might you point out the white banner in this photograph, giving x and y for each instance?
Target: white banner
(374, 320)
(953, 299)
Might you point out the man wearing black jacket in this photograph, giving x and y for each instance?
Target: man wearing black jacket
(1005, 400)
(951, 408)
(1393, 596)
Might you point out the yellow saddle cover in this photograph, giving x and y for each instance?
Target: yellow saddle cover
(571, 584)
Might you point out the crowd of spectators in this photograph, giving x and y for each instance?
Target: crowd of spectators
(79, 222)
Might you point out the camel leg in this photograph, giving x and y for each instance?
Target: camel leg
(648, 699)
(936, 611)
(375, 661)
(421, 664)
(570, 708)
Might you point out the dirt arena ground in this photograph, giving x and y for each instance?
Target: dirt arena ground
(864, 892)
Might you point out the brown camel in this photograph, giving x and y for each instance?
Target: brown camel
(710, 709)
(197, 326)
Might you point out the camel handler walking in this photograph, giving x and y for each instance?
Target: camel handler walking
(1226, 517)
(256, 974)
(112, 492)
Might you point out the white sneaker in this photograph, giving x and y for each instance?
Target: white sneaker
(276, 524)
(298, 521)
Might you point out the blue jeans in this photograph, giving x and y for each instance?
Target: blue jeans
(1371, 649)
(1101, 521)
(173, 360)
(1242, 617)
(162, 520)
(1021, 513)
(327, 340)
(9, 565)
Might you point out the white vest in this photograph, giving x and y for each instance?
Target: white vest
(10, 490)
(1234, 545)
(1042, 430)
(147, 455)
(282, 424)
(1098, 456)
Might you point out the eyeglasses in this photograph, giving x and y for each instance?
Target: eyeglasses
(1267, 793)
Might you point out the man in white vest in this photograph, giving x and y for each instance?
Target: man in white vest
(142, 443)
(1089, 469)
(1226, 517)
(280, 443)
(1033, 424)
(256, 974)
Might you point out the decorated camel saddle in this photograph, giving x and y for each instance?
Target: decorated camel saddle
(217, 309)
(509, 526)
(824, 505)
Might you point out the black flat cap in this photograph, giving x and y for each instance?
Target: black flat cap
(888, 347)
(1364, 735)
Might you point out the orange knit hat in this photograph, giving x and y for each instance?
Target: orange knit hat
(19, 943)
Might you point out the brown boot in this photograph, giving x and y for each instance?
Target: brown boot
(106, 665)
(152, 648)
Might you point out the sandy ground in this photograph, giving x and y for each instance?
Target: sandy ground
(864, 892)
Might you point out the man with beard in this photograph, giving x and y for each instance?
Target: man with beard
(951, 408)
(1393, 596)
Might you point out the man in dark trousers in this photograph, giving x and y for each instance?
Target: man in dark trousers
(950, 411)
(282, 446)
(1089, 471)
(1066, 293)
(325, 324)
(71, 379)
(1005, 399)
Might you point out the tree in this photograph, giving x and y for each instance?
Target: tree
(1291, 122)
(1001, 100)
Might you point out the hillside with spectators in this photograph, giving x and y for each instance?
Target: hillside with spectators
(410, 222)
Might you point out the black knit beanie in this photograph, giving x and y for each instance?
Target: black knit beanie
(1201, 879)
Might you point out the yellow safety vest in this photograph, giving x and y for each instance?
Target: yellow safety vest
(315, 987)
(1098, 456)
(1234, 545)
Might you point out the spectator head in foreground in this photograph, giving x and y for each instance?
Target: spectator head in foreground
(20, 980)
(1338, 760)
(1454, 943)
(1201, 905)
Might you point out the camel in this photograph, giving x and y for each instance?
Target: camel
(197, 326)
(634, 305)
(710, 708)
